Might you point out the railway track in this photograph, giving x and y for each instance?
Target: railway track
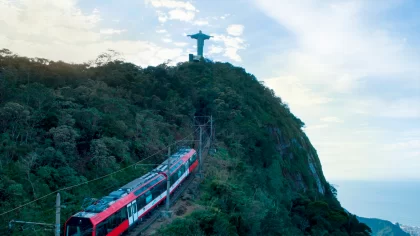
(142, 226)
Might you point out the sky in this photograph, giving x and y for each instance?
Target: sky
(348, 68)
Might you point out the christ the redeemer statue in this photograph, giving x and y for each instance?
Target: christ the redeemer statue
(200, 41)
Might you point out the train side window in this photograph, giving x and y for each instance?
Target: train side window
(112, 222)
(192, 159)
(118, 219)
(129, 210)
(159, 188)
(101, 229)
(155, 191)
(142, 189)
(141, 201)
(174, 178)
(108, 224)
(148, 197)
(123, 214)
(162, 187)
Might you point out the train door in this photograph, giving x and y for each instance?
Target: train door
(132, 212)
(135, 210)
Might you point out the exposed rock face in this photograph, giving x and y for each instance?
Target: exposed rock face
(312, 164)
(284, 147)
(299, 182)
(281, 143)
(412, 230)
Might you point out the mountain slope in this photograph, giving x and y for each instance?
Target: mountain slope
(63, 124)
(383, 227)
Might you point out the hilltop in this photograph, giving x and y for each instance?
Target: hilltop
(62, 124)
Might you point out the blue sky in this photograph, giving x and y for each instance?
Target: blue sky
(348, 68)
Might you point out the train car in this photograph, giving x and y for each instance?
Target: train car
(114, 214)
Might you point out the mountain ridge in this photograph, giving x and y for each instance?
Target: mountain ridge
(383, 227)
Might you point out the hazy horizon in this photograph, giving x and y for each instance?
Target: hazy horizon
(393, 201)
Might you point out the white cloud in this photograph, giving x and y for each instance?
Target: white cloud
(312, 127)
(181, 15)
(231, 46)
(180, 44)
(411, 144)
(293, 92)
(27, 29)
(201, 22)
(235, 30)
(336, 46)
(331, 119)
(224, 16)
(167, 40)
(402, 108)
(173, 10)
(407, 107)
(162, 17)
(349, 51)
(171, 4)
(32, 20)
(215, 49)
(110, 31)
(161, 31)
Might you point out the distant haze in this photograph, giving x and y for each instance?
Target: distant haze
(392, 201)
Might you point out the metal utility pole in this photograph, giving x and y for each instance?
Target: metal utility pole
(57, 215)
(168, 182)
(56, 226)
(199, 151)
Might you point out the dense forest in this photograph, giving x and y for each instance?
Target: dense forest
(82, 127)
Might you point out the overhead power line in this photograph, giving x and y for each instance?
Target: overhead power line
(102, 177)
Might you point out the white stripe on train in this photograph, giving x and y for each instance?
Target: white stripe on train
(161, 196)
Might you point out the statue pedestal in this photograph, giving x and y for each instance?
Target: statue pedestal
(192, 58)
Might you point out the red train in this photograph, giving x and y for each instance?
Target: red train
(115, 213)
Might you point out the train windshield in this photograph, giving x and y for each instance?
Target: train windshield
(79, 227)
(77, 231)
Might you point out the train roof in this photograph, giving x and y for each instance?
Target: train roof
(113, 198)
(161, 168)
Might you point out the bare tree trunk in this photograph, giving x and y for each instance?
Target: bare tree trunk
(32, 185)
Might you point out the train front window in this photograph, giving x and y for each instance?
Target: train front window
(78, 226)
(73, 230)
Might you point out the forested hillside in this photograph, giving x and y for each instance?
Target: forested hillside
(64, 124)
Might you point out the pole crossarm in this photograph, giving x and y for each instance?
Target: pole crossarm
(29, 223)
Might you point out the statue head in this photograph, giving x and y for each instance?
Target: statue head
(200, 32)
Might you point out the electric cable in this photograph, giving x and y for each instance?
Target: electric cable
(102, 177)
